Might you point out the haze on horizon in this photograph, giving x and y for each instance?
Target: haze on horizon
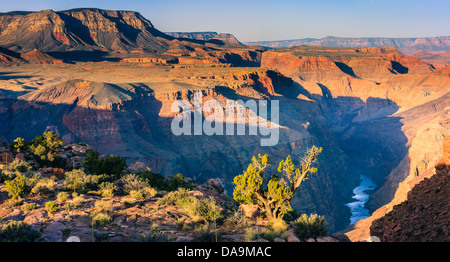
(267, 20)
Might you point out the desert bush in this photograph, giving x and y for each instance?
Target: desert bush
(51, 207)
(19, 145)
(78, 180)
(62, 197)
(16, 187)
(128, 201)
(145, 193)
(236, 219)
(156, 236)
(101, 219)
(209, 210)
(44, 187)
(46, 147)
(252, 234)
(103, 206)
(133, 182)
(77, 199)
(199, 210)
(19, 231)
(21, 185)
(171, 183)
(27, 207)
(173, 197)
(20, 166)
(310, 226)
(111, 165)
(107, 189)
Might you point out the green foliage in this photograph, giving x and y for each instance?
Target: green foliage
(171, 183)
(111, 165)
(175, 181)
(21, 185)
(199, 210)
(209, 210)
(103, 206)
(27, 207)
(310, 226)
(62, 197)
(273, 196)
(46, 147)
(77, 180)
(18, 231)
(101, 219)
(51, 207)
(107, 189)
(20, 166)
(132, 182)
(156, 236)
(16, 187)
(19, 145)
(174, 197)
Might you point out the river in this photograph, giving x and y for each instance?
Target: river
(360, 195)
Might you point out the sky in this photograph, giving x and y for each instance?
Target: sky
(267, 20)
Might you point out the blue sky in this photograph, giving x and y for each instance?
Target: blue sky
(251, 20)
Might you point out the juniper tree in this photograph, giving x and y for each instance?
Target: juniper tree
(274, 196)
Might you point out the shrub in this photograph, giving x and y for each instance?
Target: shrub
(128, 201)
(107, 189)
(101, 219)
(51, 207)
(27, 207)
(77, 199)
(103, 206)
(78, 180)
(133, 182)
(16, 187)
(62, 197)
(46, 147)
(209, 210)
(206, 209)
(156, 236)
(173, 197)
(145, 193)
(111, 165)
(310, 226)
(237, 220)
(19, 145)
(19, 165)
(21, 185)
(44, 187)
(19, 231)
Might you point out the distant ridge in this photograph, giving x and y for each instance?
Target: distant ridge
(206, 36)
(410, 45)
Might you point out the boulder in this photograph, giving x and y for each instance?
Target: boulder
(135, 168)
(292, 237)
(249, 210)
(53, 232)
(326, 239)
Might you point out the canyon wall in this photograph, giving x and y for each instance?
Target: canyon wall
(388, 111)
(135, 122)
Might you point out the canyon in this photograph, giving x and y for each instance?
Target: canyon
(109, 79)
